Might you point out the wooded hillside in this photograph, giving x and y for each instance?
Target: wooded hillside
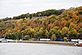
(49, 24)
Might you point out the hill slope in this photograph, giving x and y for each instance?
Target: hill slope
(66, 24)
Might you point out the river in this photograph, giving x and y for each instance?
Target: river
(38, 49)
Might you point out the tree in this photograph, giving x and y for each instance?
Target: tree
(53, 37)
(80, 30)
(72, 33)
(29, 31)
(14, 36)
(55, 31)
(65, 31)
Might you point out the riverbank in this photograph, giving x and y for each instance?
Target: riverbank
(47, 42)
(41, 42)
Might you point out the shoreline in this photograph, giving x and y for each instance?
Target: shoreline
(51, 42)
(47, 42)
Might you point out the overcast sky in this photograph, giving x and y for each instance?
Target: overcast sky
(9, 8)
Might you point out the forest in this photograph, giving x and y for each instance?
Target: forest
(52, 23)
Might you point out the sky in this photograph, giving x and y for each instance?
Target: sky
(10, 8)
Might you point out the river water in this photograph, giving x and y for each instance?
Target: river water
(38, 49)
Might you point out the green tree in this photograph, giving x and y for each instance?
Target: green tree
(65, 31)
(80, 30)
(55, 31)
(53, 37)
(72, 33)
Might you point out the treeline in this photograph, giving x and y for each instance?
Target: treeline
(38, 14)
(67, 24)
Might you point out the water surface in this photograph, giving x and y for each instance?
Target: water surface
(38, 49)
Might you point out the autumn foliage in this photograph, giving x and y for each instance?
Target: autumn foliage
(67, 24)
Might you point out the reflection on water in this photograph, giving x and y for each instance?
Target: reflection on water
(38, 49)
